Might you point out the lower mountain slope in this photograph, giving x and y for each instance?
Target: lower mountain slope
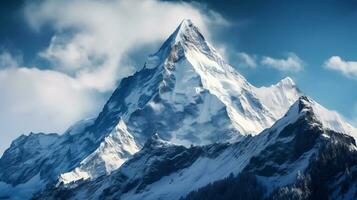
(315, 163)
(299, 157)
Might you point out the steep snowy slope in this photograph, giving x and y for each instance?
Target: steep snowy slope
(308, 161)
(297, 145)
(185, 92)
(112, 152)
(35, 160)
(279, 96)
(188, 94)
(21, 165)
(189, 99)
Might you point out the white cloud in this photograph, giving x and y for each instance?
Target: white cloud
(40, 100)
(292, 63)
(9, 61)
(93, 37)
(86, 55)
(246, 60)
(347, 68)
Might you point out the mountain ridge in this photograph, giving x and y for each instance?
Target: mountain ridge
(187, 95)
(274, 158)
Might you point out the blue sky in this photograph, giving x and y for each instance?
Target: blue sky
(313, 30)
(60, 60)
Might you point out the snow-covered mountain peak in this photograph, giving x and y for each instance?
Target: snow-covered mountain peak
(186, 40)
(302, 107)
(305, 104)
(186, 31)
(280, 95)
(331, 120)
(287, 82)
(186, 92)
(186, 35)
(185, 87)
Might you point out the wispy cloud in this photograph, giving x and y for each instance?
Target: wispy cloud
(87, 57)
(7, 60)
(30, 97)
(92, 44)
(347, 68)
(246, 60)
(292, 63)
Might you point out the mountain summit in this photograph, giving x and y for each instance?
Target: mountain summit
(186, 93)
(186, 36)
